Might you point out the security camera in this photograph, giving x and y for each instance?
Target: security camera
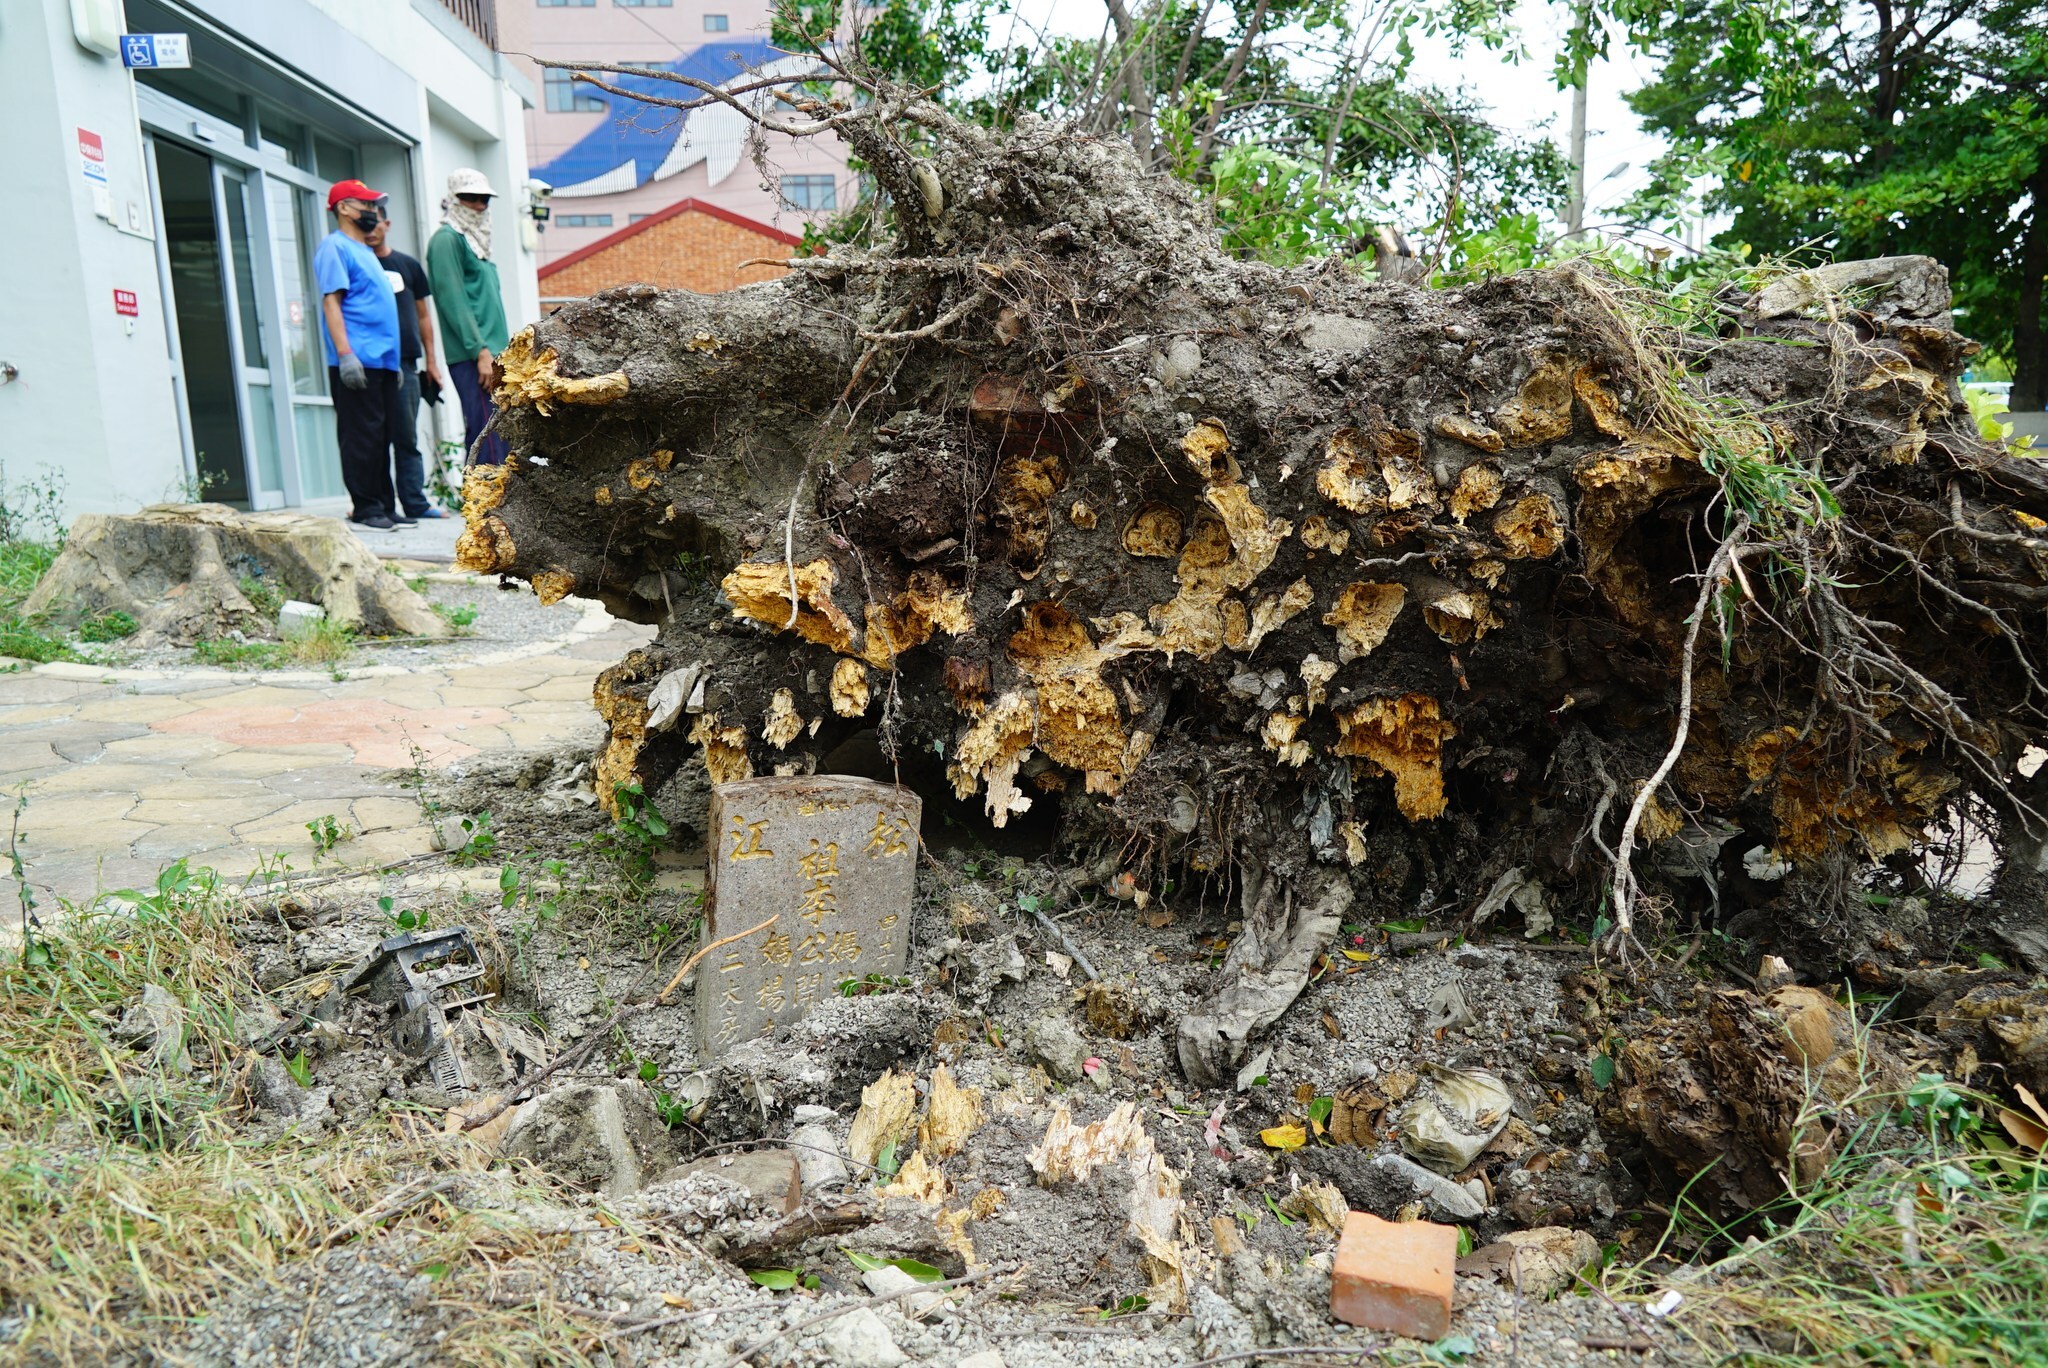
(539, 188)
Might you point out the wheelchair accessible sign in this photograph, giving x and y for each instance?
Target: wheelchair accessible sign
(148, 51)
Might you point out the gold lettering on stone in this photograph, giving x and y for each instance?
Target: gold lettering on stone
(746, 840)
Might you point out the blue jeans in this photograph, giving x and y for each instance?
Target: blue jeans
(485, 448)
(405, 445)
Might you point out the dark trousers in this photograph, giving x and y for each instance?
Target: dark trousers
(407, 470)
(362, 427)
(477, 409)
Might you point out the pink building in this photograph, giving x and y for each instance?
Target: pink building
(614, 162)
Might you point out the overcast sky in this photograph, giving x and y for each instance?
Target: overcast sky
(1521, 94)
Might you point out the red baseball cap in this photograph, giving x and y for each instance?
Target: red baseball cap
(352, 190)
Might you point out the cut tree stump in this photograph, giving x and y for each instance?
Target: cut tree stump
(177, 570)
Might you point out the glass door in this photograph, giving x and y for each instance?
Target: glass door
(201, 302)
(251, 339)
(293, 219)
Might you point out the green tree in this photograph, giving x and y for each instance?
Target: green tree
(1867, 128)
(1298, 116)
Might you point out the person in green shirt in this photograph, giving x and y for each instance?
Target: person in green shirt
(472, 313)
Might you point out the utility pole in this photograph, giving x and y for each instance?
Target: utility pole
(1575, 210)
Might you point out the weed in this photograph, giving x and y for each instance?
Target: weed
(1926, 1244)
(695, 570)
(322, 641)
(107, 627)
(265, 597)
(402, 919)
(869, 984)
(479, 843)
(327, 834)
(430, 807)
(461, 617)
(130, 1207)
(253, 655)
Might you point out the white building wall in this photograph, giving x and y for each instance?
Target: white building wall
(93, 397)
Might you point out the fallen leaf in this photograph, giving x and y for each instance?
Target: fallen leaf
(675, 1299)
(318, 988)
(1156, 918)
(1288, 1137)
(2024, 1129)
(1330, 1025)
(2033, 1103)
(1358, 956)
(1061, 965)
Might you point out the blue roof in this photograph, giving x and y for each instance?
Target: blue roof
(643, 133)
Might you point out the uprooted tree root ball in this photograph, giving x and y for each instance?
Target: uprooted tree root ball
(1346, 597)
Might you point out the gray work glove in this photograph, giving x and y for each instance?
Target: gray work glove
(352, 372)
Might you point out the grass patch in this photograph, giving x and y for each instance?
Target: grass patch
(112, 626)
(241, 655)
(22, 563)
(324, 642)
(265, 597)
(1910, 1252)
(130, 1205)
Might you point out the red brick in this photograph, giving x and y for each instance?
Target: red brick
(1395, 1276)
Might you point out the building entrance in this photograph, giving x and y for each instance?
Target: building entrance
(203, 305)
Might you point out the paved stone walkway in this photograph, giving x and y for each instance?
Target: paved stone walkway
(128, 770)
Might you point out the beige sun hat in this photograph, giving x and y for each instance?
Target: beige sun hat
(469, 181)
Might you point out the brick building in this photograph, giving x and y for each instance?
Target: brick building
(612, 161)
(690, 245)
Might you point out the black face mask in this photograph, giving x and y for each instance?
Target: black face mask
(367, 221)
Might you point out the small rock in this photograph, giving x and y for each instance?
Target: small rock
(889, 1278)
(818, 1159)
(1053, 1042)
(295, 615)
(987, 1358)
(859, 1339)
(595, 1136)
(770, 1177)
(156, 1026)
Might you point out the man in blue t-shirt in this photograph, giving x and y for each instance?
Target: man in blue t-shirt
(361, 315)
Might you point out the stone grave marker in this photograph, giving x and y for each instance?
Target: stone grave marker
(836, 858)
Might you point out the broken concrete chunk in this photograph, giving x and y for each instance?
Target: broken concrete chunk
(1395, 1276)
(297, 616)
(598, 1137)
(889, 1278)
(818, 1158)
(770, 1177)
(1445, 1197)
(1052, 1041)
(859, 1339)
